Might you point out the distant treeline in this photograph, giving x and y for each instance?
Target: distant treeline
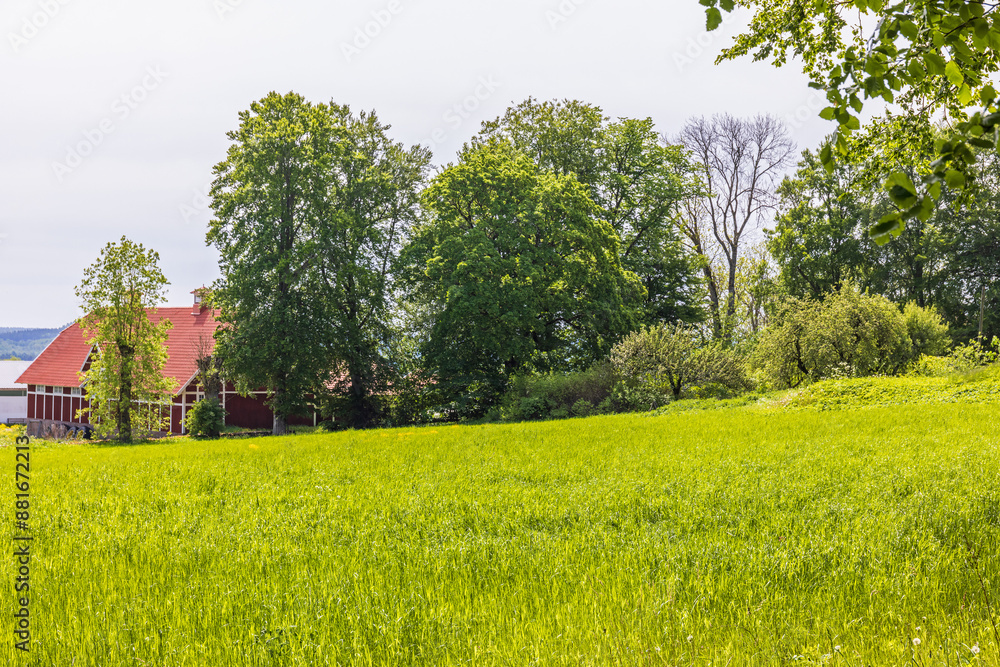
(25, 344)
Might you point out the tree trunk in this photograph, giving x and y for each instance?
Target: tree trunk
(125, 398)
(730, 300)
(362, 410)
(713, 299)
(280, 424)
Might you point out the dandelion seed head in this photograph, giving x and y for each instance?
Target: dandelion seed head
(916, 641)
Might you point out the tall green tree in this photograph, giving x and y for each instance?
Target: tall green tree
(926, 56)
(969, 232)
(269, 199)
(124, 385)
(949, 263)
(815, 240)
(373, 203)
(637, 182)
(312, 205)
(521, 272)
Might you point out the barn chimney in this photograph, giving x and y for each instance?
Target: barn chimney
(200, 295)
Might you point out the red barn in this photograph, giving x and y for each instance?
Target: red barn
(54, 387)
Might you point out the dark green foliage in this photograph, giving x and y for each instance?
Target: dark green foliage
(519, 273)
(820, 239)
(413, 400)
(637, 182)
(268, 197)
(205, 419)
(558, 395)
(313, 204)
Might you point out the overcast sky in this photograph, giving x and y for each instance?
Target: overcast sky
(116, 110)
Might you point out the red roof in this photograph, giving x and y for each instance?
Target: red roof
(60, 362)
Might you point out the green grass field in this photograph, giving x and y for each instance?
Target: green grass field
(743, 536)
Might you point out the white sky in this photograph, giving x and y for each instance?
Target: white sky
(116, 110)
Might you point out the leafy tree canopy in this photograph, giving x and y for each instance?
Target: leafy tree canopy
(124, 384)
(268, 198)
(926, 56)
(820, 238)
(312, 205)
(520, 269)
(671, 358)
(636, 180)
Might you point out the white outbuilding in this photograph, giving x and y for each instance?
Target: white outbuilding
(13, 395)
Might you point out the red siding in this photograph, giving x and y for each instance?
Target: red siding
(175, 419)
(248, 412)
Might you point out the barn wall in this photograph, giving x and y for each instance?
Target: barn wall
(241, 411)
(248, 412)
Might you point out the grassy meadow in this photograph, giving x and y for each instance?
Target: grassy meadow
(743, 536)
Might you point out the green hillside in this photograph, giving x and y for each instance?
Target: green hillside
(753, 535)
(980, 386)
(25, 344)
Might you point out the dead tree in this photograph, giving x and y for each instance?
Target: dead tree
(741, 165)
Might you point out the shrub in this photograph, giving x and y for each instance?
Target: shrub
(657, 364)
(559, 395)
(962, 358)
(205, 419)
(928, 332)
(849, 334)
